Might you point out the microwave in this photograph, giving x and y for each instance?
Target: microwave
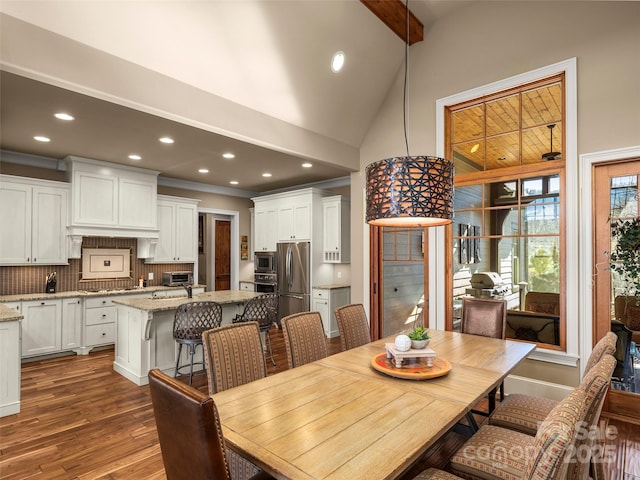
(265, 262)
(177, 279)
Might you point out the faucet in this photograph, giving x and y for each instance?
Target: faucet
(189, 290)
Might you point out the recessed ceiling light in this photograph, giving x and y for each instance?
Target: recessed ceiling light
(203, 170)
(307, 165)
(266, 174)
(40, 138)
(475, 148)
(166, 140)
(133, 156)
(63, 116)
(337, 62)
(228, 155)
(233, 182)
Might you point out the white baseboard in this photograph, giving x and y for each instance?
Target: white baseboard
(538, 388)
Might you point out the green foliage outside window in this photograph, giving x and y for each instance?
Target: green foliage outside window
(544, 270)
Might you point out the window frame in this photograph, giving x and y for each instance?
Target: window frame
(440, 291)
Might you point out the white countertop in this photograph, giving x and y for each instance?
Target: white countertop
(171, 303)
(331, 286)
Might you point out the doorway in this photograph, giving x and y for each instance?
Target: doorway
(222, 259)
(615, 198)
(398, 266)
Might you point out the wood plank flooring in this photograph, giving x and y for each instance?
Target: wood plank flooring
(81, 420)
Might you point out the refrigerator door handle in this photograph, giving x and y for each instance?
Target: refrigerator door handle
(289, 269)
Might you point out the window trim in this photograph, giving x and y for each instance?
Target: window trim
(571, 204)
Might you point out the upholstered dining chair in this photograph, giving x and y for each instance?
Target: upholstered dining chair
(488, 318)
(304, 338)
(498, 453)
(233, 355)
(190, 434)
(189, 321)
(353, 326)
(522, 412)
(264, 310)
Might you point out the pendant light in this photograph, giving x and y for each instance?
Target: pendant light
(411, 190)
(551, 155)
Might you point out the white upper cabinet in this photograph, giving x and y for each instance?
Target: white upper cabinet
(177, 230)
(33, 215)
(110, 199)
(265, 226)
(336, 228)
(294, 219)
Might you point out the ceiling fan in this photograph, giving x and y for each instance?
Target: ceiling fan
(551, 155)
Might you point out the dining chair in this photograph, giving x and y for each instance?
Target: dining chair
(624, 372)
(488, 318)
(523, 412)
(353, 326)
(496, 453)
(190, 434)
(189, 321)
(264, 310)
(304, 338)
(233, 355)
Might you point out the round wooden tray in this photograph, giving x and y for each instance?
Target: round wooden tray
(414, 369)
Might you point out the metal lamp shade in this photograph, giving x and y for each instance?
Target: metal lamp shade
(410, 191)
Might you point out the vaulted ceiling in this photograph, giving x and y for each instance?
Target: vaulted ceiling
(266, 62)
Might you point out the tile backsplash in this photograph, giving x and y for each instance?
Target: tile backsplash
(31, 279)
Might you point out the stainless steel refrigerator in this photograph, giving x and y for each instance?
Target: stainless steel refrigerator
(294, 277)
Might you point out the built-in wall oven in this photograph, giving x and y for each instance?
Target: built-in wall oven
(266, 282)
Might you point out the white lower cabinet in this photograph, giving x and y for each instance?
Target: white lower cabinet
(247, 286)
(10, 367)
(41, 327)
(99, 322)
(71, 323)
(325, 301)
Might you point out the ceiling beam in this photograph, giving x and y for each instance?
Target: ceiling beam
(393, 15)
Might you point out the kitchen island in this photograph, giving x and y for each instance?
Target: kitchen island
(144, 331)
(9, 360)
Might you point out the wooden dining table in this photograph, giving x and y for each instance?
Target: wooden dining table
(339, 418)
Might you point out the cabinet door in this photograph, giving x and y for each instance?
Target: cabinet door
(9, 367)
(95, 199)
(285, 223)
(266, 230)
(71, 323)
(41, 327)
(321, 305)
(165, 249)
(137, 202)
(331, 232)
(15, 210)
(186, 232)
(302, 221)
(49, 226)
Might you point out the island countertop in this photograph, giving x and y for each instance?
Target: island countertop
(9, 314)
(162, 304)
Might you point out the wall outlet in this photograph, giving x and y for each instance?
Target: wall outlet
(339, 274)
(150, 277)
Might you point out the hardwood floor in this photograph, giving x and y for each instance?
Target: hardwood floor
(81, 420)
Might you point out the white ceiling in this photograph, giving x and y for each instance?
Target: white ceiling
(271, 57)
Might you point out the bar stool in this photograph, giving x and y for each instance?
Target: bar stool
(190, 320)
(264, 310)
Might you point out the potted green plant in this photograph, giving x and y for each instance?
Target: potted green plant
(625, 261)
(419, 337)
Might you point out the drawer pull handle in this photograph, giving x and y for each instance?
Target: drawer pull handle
(104, 315)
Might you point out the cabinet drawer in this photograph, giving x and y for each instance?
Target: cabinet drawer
(100, 334)
(321, 294)
(98, 302)
(93, 316)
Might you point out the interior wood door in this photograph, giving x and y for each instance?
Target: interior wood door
(615, 196)
(223, 255)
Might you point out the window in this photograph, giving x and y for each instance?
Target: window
(508, 155)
